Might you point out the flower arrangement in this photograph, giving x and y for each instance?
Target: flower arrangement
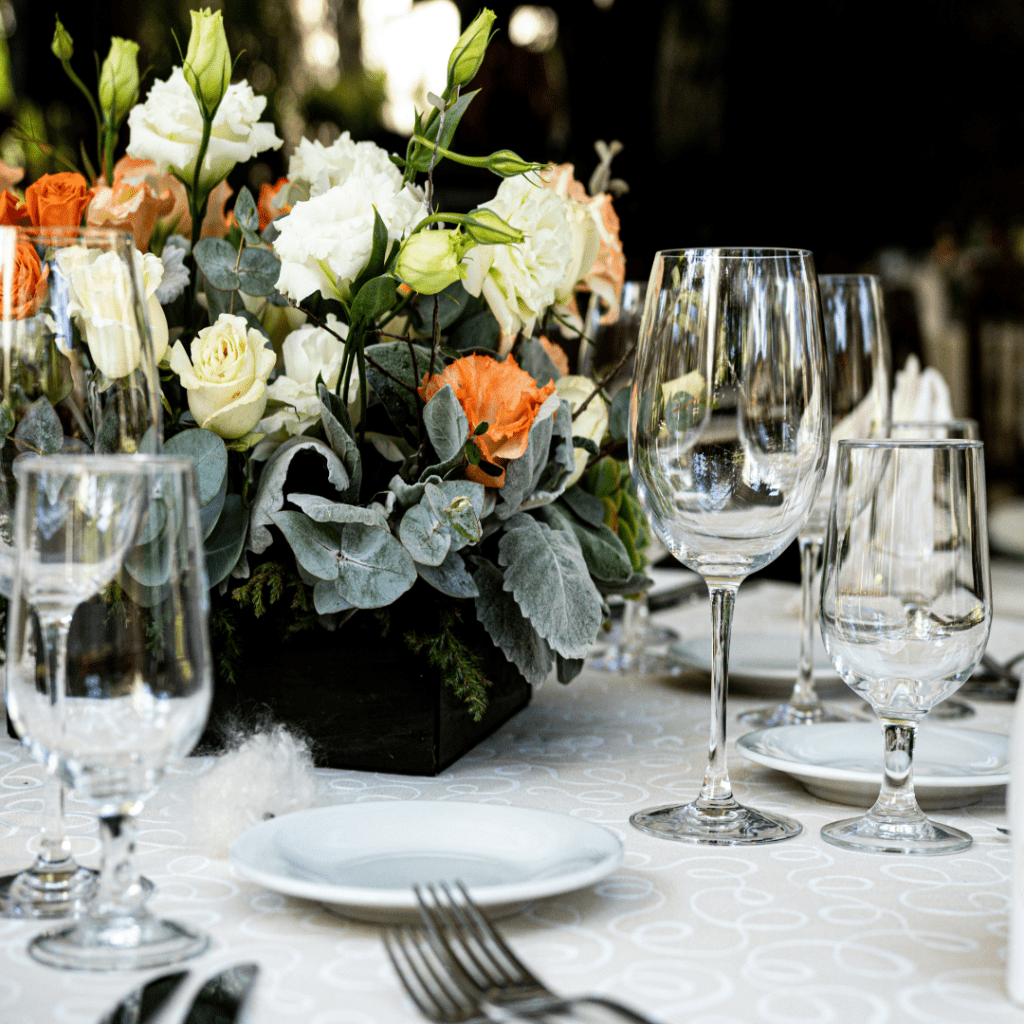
(362, 380)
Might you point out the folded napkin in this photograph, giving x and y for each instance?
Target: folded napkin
(920, 395)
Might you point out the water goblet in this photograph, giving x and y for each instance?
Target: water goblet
(78, 375)
(857, 343)
(905, 610)
(728, 445)
(110, 596)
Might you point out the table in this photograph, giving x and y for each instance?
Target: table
(798, 931)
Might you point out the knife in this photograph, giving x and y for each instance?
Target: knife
(221, 999)
(142, 1003)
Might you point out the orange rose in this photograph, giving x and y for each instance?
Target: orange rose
(267, 208)
(498, 394)
(12, 210)
(134, 207)
(29, 284)
(556, 354)
(57, 200)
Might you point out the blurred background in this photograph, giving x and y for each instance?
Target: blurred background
(885, 137)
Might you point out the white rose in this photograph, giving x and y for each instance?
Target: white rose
(520, 281)
(308, 353)
(314, 168)
(100, 301)
(591, 423)
(325, 242)
(226, 378)
(168, 129)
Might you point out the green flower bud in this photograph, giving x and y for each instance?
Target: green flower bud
(509, 164)
(119, 80)
(62, 46)
(490, 229)
(468, 55)
(208, 61)
(429, 261)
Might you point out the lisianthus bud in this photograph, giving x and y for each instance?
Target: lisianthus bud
(119, 79)
(62, 46)
(509, 164)
(490, 229)
(429, 261)
(207, 65)
(468, 55)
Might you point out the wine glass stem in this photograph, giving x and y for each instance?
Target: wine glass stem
(120, 890)
(717, 790)
(804, 698)
(897, 801)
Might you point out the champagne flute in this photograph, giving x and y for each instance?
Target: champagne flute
(729, 437)
(905, 610)
(110, 594)
(77, 375)
(860, 375)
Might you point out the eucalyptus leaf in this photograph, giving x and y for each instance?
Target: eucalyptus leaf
(209, 513)
(375, 570)
(459, 504)
(446, 423)
(224, 545)
(618, 415)
(479, 331)
(424, 536)
(40, 428)
(219, 302)
(258, 271)
(209, 457)
(451, 577)
(247, 216)
(315, 545)
(326, 598)
(323, 510)
(216, 258)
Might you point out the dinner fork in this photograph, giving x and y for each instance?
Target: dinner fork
(483, 966)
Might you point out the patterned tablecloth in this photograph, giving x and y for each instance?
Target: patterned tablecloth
(794, 932)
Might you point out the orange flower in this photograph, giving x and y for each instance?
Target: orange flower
(57, 200)
(12, 210)
(10, 176)
(556, 354)
(267, 208)
(29, 282)
(134, 207)
(498, 394)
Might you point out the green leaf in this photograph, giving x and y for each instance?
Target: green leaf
(40, 428)
(378, 253)
(500, 614)
(216, 258)
(315, 545)
(422, 155)
(399, 401)
(424, 536)
(536, 362)
(225, 544)
(375, 297)
(568, 668)
(590, 447)
(221, 302)
(480, 331)
(446, 423)
(243, 444)
(618, 415)
(337, 426)
(209, 456)
(605, 555)
(375, 569)
(247, 216)
(451, 577)
(546, 573)
(258, 271)
(585, 505)
(323, 510)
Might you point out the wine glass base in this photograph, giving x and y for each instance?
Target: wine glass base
(920, 838)
(790, 714)
(40, 895)
(118, 944)
(615, 659)
(730, 825)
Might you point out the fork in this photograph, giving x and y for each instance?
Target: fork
(484, 968)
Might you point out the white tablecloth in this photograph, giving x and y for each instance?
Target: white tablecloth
(792, 932)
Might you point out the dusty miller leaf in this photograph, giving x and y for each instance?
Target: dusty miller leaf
(451, 577)
(446, 423)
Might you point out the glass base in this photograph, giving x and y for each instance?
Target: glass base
(730, 824)
(616, 659)
(790, 714)
(42, 895)
(920, 838)
(118, 943)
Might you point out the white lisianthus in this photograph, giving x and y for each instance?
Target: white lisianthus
(308, 353)
(168, 129)
(226, 378)
(592, 423)
(101, 303)
(520, 280)
(325, 242)
(176, 274)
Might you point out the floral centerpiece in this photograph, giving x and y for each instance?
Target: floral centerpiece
(380, 427)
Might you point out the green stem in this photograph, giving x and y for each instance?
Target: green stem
(197, 205)
(92, 104)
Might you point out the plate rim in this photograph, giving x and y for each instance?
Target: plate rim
(404, 899)
(821, 674)
(804, 769)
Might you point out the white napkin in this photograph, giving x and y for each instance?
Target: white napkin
(920, 395)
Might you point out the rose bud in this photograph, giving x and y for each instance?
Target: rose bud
(207, 64)
(468, 55)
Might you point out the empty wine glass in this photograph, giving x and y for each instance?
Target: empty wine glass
(728, 446)
(77, 375)
(860, 375)
(905, 610)
(110, 601)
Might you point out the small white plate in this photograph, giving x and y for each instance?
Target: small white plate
(363, 859)
(842, 761)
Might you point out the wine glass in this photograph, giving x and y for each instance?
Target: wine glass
(728, 444)
(110, 595)
(77, 375)
(905, 610)
(857, 343)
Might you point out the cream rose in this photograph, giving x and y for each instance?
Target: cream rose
(226, 378)
(100, 301)
(591, 423)
(168, 129)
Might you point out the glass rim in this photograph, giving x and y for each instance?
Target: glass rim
(952, 421)
(891, 443)
(737, 252)
(58, 232)
(851, 277)
(135, 464)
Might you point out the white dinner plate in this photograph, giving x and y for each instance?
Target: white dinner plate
(362, 859)
(842, 761)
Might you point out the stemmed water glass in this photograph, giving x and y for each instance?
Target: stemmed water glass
(110, 601)
(857, 343)
(728, 444)
(905, 610)
(77, 375)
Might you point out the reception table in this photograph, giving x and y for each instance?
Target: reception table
(792, 932)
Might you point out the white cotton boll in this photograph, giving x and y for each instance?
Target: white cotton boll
(269, 774)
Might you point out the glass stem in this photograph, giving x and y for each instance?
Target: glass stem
(716, 792)
(897, 801)
(804, 698)
(120, 890)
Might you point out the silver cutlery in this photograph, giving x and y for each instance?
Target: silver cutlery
(144, 1002)
(222, 997)
(480, 965)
